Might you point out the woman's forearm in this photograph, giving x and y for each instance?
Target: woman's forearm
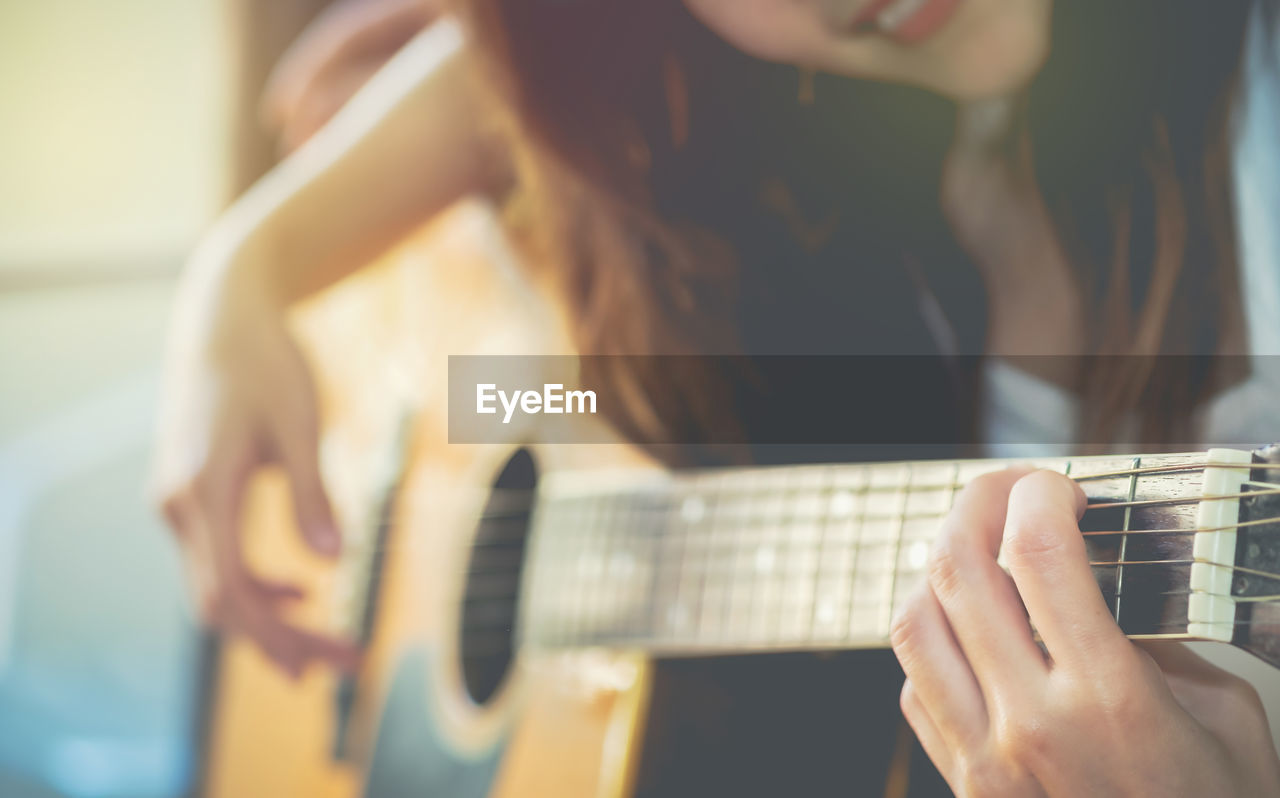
(409, 144)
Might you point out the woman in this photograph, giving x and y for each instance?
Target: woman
(1008, 177)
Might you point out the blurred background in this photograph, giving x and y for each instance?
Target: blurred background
(112, 159)
(127, 125)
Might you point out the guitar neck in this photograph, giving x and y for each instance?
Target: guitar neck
(819, 557)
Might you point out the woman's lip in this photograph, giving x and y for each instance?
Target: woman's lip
(867, 16)
(925, 22)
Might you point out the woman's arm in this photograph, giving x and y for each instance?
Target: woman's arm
(238, 392)
(409, 144)
(1090, 713)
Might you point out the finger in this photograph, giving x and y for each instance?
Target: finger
(345, 655)
(1175, 658)
(233, 597)
(272, 638)
(1220, 700)
(273, 591)
(293, 648)
(247, 604)
(219, 509)
(931, 739)
(176, 513)
(977, 596)
(937, 669)
(1047, 559)
(252, 611)
(1192, 680)
(208, 517)
(299, 452)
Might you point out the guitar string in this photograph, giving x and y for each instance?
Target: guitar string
(507, 640)
(726, 638)
(945, 486)
(522, 536)
(882, 574)
(604, 630)
(526, 508)
(1189, 531)
(472, 597)
(495, 571)
(562, 639)
(508, 636)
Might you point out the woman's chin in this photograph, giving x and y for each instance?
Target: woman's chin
(981, 56)
(1000, 58)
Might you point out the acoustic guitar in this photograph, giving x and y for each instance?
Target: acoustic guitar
(513, 596)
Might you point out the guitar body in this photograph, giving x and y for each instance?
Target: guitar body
(563, 725)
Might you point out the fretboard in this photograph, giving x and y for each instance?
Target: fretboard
(819, 557)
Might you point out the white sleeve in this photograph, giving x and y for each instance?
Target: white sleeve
(1257, 187)
(1251, 412)
(1025, 416)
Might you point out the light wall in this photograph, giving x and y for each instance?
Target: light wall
(111, 139)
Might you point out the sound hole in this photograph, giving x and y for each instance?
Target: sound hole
(489, 602)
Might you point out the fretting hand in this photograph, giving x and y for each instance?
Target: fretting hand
(1091, 713)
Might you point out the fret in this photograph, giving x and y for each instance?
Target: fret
(601, 595)
(713, 596)
(930, 495)
(660, 588)
(628, 578)
(568, 581)
(674, 619)
(1144, 600)
(736, 596)
(690, 521)
(1124, 537)
(620, 566)
(598, 543)
(1117, 486)
(648, 514)
(588, 569)
(565, 551)
(694, 556)
(765, 552)
(877, 550)
(833, 592)
(856, 627)
(801, 560)
(626, 571)
(799, 563)
(565, 548)
(887, 614)
(600, 592)
(813, 534)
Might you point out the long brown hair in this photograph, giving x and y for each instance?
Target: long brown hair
(652, 154)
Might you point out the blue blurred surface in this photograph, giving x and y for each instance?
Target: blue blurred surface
(96, 646)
